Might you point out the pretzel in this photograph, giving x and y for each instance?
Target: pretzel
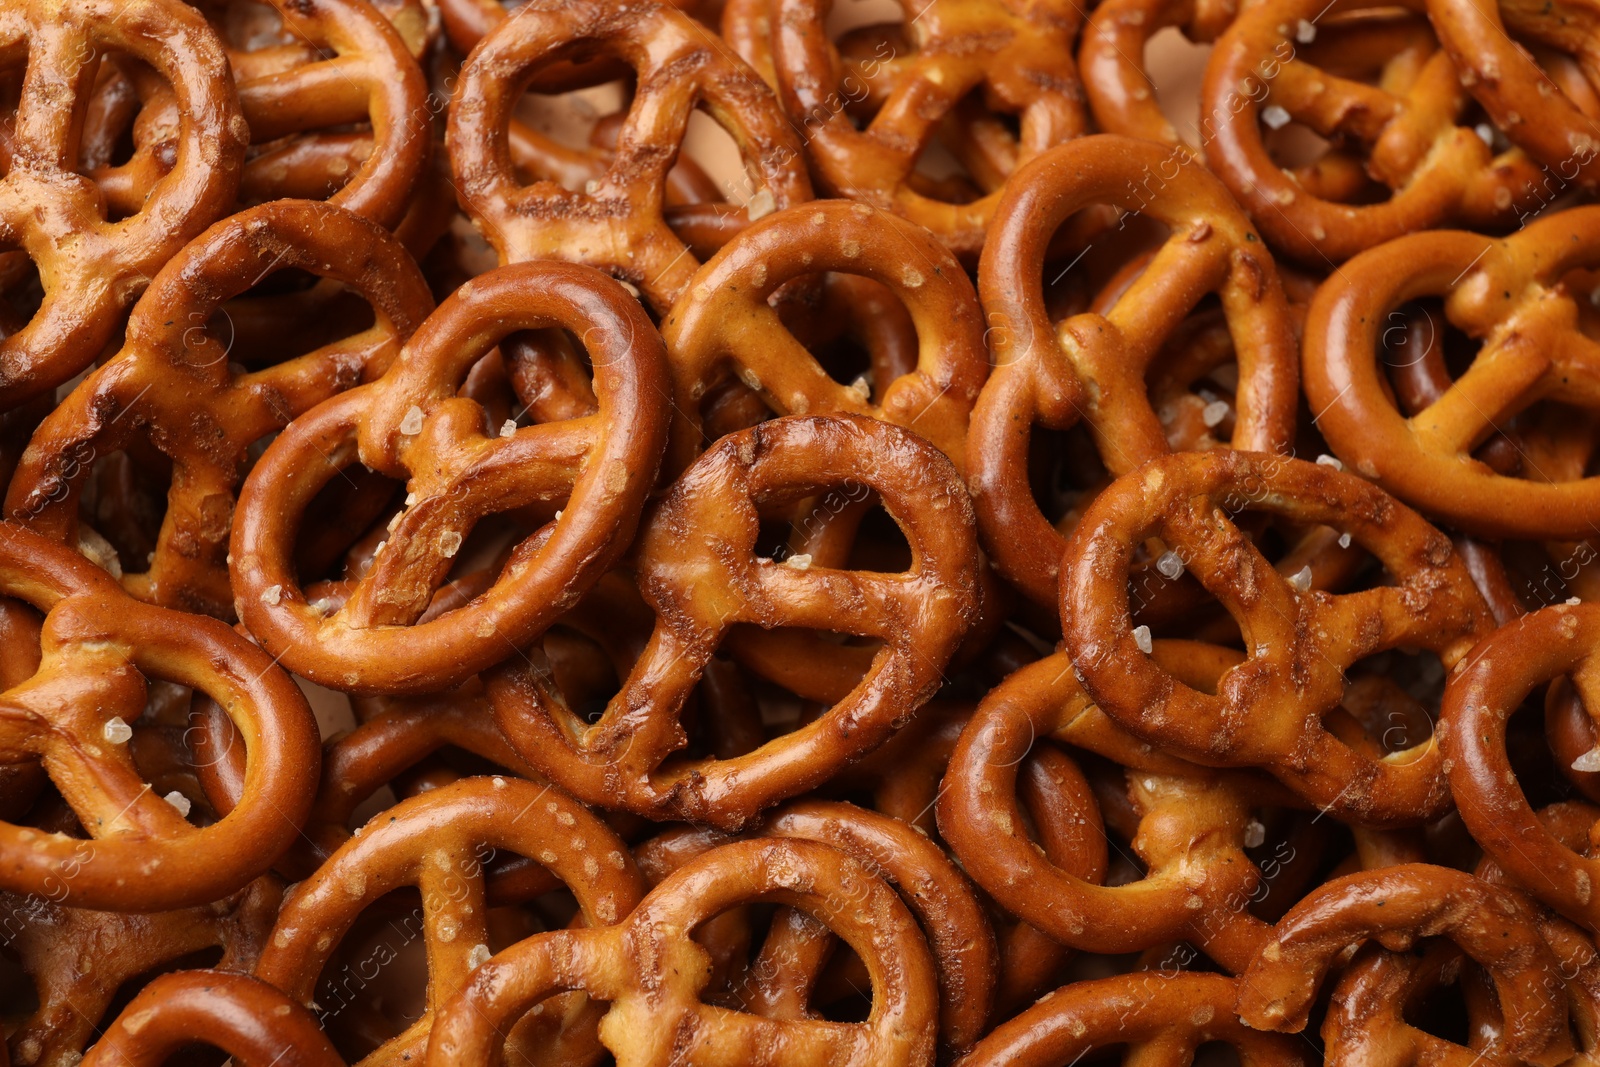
(1556, 119)
(441, 843)
(652, 973)
(91, 268)
(724, 321)
(409, 424)
(173, 386)
(98, 647)
(1111, 58)
(1093, 366)
(249, 1020)
(698, 570)
(616, 224)
(1497, 677)
(1437, 172)
(1396, 906)
(1511, 295)
(1019, 55)
(1268, 710)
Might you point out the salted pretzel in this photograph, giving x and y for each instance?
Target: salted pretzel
(1554, 115)
(78, 959)
(1162, 1018)
(93, 269)
(1396, 906)
(1436, 171)
(174, 386)
(1500, 673)
(1268, 710)
(651, 972)
(698, 569)
(248, 1019)
(724, 322)
(616, 222)
(1019, 55)
(1511, 295)
(1111, 60)
(1093, 366)
(99, 646)
(410, 424)
(441, 843)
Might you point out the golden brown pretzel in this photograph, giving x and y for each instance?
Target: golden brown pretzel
(1268, 711)
(246, 1018)
(410, 424)
(1512, 295)
(652, 973)
(1092, 367)
(1019, 54)
(616, 222)
(698, 569)
(175, 390)
(1436, 171)
(93, 268)
(723, 322)
(1162, 1018)
(442, 843)
(99, 646)
(1111, 59)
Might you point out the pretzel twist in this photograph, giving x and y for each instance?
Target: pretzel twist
(1268, 710)
(93, 269)
(616, 223)
(699, 571)
(410, 424)
(652, 973)
(1511, 295)
(1093, 366)
(724, 321)
(174, 386)
(1019, 54)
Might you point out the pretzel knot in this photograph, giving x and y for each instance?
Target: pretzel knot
(92, 268)
(1018, 54)
(616, 222)
(248, 1019)
(699, 570)
(99, 646)
(411, 424)
(1163, 1019)
(1277, 56)
(1268, 710)
(1396, 906)
(1509, 293)
(1500, 673)
(1093, 366)
(442, 843)
(173, 385)
(652, 973)
(724, 322)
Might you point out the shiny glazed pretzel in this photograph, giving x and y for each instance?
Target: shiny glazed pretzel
(1513, 296)
(1093, 366)
(1018, 54)
(442, 843)
(174, 386)
(1162, 1018)
(699, 570)
(1268, 710)
(1111, 59)
(616, 222)
(1438, 172)
(724, 322)
(651, 972)
(1498, 676)
(92, 268)
(411, 424)
(99, 646)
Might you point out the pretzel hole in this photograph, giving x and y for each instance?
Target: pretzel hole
(1175, 66)
(1391, 703)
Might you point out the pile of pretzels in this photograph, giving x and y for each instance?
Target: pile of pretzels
(975, 561)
